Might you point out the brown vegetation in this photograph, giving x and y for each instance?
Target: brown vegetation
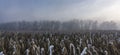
(80, 43)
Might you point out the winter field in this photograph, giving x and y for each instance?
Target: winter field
(60, 43)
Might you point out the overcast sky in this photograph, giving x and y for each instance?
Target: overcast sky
(16, 10)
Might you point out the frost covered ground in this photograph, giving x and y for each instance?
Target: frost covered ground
(58, 43)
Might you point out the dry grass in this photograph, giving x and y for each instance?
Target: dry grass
(96, 43)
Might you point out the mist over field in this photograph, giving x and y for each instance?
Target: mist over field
(59, 10)
(59, 27)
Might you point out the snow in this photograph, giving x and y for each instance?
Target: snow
(1, 53)
(42, 49)
(84, 51)
(80, 42)
(14, 49)
(27, 51)
(111, 42)
(106, 52)
(72, 45)
(63, 50)
(50, 48)
(89, 45)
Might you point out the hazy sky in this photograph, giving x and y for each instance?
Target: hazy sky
(12, 10)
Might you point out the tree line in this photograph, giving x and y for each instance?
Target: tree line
(72, 25)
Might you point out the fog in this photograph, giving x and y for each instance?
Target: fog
(60, 10)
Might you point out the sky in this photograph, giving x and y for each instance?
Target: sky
(29, 10)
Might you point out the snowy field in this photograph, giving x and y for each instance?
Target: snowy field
(69, 43)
